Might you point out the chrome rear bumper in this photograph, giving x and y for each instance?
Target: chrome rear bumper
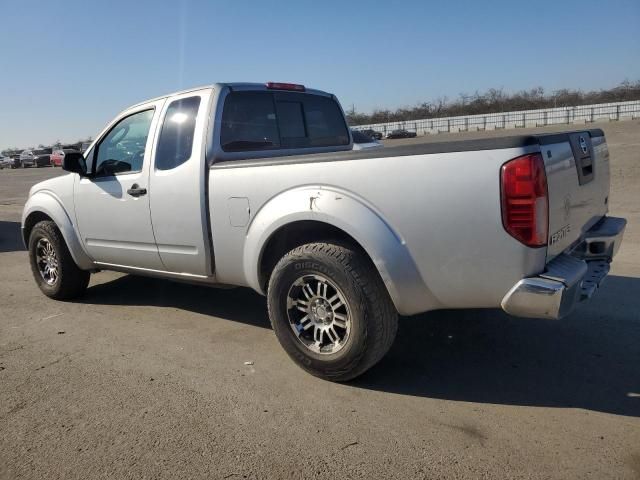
(569, 278)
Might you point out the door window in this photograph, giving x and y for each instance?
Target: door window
(122, 149)
(176, 138)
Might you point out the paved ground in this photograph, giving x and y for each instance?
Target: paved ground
(146, 379)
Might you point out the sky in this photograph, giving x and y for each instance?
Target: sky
(68, 67)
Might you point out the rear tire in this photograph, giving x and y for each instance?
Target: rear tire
(333, 289)
(53, 267)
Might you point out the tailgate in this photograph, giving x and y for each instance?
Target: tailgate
(577, 167)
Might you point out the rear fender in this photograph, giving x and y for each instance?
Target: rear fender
(354, 216)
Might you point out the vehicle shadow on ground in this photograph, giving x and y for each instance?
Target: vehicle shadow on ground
(10, 237)
(589, 360)
(236, 304)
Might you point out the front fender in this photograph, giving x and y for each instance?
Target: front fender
(355, 217)
(48, 203)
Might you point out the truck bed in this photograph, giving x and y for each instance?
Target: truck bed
(443, 206)
(507, 141)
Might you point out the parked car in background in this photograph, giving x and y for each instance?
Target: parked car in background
(36, 158)
(84, 146)
(372, 133)
(42, 157)
(6, 162)
(58, 156)
(362, 141)
(401, 134)
(27, 158)
(17, 163)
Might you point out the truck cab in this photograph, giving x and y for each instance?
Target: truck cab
(165, 146)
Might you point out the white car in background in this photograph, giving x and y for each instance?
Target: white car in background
(364, 142)
(6, 162)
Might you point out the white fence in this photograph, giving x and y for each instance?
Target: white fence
(527, 118)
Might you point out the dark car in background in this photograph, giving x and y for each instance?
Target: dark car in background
(27, 158)
(369, 132)
(401, 133)
(17, 163)
(42, 157)
(36, 158)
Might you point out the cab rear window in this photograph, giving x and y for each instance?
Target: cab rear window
(268, 120)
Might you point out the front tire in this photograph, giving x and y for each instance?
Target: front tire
(53, 267)
(330, 310)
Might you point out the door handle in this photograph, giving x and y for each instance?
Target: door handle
(136, 191)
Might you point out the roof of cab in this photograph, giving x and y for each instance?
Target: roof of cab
(232, 85)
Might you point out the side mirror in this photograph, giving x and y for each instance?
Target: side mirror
(74, 162)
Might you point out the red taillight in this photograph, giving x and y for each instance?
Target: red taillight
(525, 203)
(285, 86)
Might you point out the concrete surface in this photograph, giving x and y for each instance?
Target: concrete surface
(146, 379)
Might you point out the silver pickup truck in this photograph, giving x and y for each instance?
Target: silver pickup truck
(258, 185)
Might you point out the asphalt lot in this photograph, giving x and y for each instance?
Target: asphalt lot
(144, 378)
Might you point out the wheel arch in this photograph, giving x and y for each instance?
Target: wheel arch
(30, 221)
(45, 206)
(309, 214)
(294, 234)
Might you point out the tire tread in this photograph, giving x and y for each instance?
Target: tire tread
(381, 323)
(72, 281)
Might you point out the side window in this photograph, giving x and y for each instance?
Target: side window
(122, 149)
(249, 122)
(176, 137)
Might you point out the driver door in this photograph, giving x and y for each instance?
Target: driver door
(112, 203)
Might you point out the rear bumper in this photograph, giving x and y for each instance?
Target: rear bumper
(569, 278)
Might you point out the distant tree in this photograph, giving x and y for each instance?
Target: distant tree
(11, 151)
(496, 100)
